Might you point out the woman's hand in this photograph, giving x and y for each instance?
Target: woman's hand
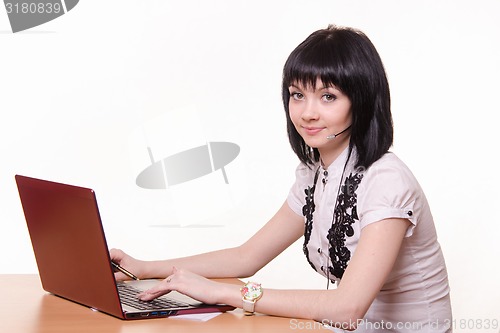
(134, 266)
(192, 285)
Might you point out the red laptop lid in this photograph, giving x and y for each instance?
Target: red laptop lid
(69, 244)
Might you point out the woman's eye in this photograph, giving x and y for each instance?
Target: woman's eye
(329, 97)
(297, 96)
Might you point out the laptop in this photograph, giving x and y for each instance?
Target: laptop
(73, 258)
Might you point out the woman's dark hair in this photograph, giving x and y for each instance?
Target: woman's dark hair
(347, 59)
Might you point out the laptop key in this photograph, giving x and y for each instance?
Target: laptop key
(128, 296)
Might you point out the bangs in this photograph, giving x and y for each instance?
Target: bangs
(309, 63)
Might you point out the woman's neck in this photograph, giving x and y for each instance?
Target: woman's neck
(329, 154)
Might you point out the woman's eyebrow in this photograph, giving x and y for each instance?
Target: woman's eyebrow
(328, 86)
(333, 88)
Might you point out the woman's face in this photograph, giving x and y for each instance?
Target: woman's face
(319, 113)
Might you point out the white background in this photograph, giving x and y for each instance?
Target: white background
(83, 96)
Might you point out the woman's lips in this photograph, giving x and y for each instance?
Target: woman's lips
(312, 130)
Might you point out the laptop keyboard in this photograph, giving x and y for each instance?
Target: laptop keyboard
(128, 296)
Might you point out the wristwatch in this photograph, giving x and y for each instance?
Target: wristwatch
(251, 292)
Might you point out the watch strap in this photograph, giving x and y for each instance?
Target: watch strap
(248, 307)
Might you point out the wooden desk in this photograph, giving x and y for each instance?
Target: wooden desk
(26, 308)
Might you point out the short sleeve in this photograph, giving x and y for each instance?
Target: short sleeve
(389, 190)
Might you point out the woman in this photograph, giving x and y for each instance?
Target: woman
(366, 223)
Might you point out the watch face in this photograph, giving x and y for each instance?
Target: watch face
(251, 291)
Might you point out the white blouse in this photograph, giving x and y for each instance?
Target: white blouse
(415, 296)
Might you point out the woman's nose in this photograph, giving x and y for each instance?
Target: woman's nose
(309, 112)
